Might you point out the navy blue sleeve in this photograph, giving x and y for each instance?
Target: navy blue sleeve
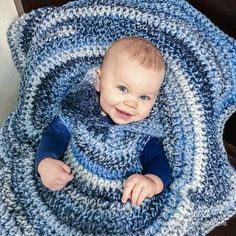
(54, 142)
(154, 161)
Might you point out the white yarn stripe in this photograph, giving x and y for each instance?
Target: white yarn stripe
(184, 212)
(196, 110)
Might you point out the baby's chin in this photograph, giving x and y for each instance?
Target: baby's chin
(124, 119)
(125, 122)
(122, 122)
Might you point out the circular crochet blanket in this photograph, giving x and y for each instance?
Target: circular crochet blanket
(54, 49)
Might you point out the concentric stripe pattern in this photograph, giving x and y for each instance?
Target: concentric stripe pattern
(56, 51)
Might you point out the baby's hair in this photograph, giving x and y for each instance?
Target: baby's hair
(146, 53)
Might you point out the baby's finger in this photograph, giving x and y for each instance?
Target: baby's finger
(66, 177)
(66, 168)
(132, 177)
(127, 191)
(57, 187)
(142, 195)
(135, 193)
(60, 182)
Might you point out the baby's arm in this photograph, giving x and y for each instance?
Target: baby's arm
(53, 172)
(156, 174)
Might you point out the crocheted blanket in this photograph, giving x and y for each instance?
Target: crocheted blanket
(54, 49)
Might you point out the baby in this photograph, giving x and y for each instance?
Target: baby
(128, 83)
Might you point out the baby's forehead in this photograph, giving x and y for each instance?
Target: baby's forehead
(115, 50)
(138, 50)
(144, 80)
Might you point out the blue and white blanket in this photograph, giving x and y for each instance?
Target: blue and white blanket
(54, 49)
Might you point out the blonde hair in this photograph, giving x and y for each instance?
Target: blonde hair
(146, 53)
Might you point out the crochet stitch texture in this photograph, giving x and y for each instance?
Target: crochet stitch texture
(55, 50)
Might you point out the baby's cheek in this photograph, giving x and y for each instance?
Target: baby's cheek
(107, 104)
(146, 112)
(141, 116)
(101, 103)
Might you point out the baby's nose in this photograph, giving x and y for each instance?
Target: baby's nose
(132, 104)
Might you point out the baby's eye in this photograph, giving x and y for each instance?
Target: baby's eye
(145, 98)
(122, 88)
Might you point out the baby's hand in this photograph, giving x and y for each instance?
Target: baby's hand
(54, 174)
(137, 187)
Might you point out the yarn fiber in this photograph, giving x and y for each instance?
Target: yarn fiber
(55, 50)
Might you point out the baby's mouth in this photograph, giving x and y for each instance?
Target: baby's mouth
(122, 114)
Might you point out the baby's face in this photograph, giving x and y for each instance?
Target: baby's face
(127, 89)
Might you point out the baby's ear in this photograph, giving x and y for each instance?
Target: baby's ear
(98, 79)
